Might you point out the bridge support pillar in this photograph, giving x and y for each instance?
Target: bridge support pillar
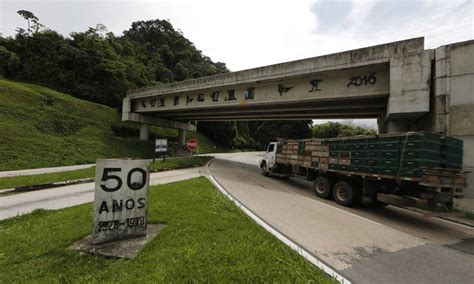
(181, 137)
(143, 131)
(394, 126)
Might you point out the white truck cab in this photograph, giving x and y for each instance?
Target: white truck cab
(268, 161)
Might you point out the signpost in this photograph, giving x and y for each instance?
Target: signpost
(161, 147)
(192, 145)
(120, 200)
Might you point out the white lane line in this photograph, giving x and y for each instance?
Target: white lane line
(292, 244)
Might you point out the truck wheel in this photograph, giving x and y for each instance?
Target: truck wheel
(322, 187)
(346, 194)
(264, 169)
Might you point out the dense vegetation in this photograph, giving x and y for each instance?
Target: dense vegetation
(40, 127)
(99, 66)
(336, 129)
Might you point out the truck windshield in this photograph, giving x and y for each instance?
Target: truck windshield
(271, 147)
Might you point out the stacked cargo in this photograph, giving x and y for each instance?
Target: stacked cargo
(451, 152)
(401, 154)
(304, 153)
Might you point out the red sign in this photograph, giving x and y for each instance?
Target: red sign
(192, 144)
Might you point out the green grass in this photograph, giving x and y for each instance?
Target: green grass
(469, 215)
(207, 239)
(11, 182)
(179, 163)
(40, 127)
(159, 165)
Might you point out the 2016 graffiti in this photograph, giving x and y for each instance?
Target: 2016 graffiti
(365, 80)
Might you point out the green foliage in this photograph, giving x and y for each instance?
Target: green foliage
(254, 134)
(101, 68)
(11, 182)
(265, 131)
(207, 239)
(336, 129)
(30, 18)
(179, 163)
(40, 127)
(8, 62)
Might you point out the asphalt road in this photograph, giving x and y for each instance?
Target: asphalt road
(367, 245)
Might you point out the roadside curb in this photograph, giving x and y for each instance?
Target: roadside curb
(455, 219)
(281, 236)
(27, 188)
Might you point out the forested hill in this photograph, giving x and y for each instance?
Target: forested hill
(99, 66)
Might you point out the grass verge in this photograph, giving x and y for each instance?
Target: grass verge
(11, 182)
(207, 239)
(159, 165)
(469, 215)
(40, 127)
(179, 163)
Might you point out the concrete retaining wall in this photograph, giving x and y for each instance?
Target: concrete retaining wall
(454, 99)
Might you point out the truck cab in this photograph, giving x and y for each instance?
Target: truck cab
(268, 161)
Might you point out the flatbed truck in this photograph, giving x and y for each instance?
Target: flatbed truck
(405, 169)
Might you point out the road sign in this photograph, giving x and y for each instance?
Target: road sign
(120, 199)
(192, 144)
(161, 145)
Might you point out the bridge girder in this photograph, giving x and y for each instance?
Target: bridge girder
(389, 81)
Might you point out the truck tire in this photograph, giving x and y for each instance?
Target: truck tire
(346, 194)
(322, 187)
(264, 170)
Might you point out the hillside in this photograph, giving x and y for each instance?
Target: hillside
(40, 127)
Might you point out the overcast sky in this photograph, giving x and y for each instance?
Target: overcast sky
(246, 34)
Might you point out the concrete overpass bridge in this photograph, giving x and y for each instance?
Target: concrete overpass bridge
(389, 82)
(400, 83)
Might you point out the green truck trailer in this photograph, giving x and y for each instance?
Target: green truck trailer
(408, 169)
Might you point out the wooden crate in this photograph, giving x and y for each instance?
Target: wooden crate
(320, 154)
(342, 161)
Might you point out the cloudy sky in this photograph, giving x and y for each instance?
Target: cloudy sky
(252, 33)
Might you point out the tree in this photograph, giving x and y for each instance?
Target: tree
(8, 62)
(101, 29)
(31, 19)
(99, 66)
(336, 129)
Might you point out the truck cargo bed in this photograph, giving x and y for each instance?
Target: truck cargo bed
(423, 157)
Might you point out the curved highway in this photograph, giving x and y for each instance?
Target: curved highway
(366, 245)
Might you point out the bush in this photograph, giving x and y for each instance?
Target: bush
(125, 130)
